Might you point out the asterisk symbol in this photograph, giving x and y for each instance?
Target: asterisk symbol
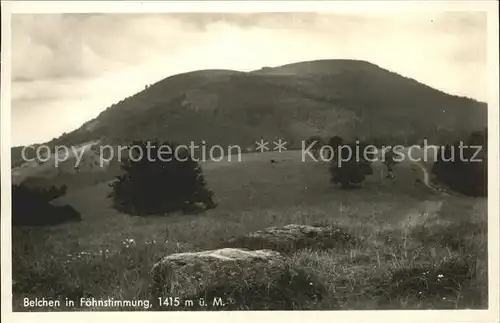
(280, 145)
(262, 146)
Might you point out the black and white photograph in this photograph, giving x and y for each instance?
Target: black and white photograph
(233, 158)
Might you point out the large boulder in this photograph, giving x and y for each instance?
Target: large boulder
(228, 279)
(293, 237)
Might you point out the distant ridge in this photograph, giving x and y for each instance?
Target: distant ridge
(350, 98)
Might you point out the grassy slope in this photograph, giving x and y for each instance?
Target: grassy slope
(403, 224)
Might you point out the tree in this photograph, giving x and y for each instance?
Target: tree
(350, 169)
(335, 142)
(160, 184)
(478, 138)
(464, 170)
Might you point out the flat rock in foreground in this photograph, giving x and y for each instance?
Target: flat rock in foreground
(293, 237)
(231, 278)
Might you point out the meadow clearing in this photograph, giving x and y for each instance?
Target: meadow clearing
(415, 248)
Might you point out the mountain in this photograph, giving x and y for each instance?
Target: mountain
(350, 98)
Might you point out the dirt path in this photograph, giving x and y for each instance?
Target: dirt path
(426, 178)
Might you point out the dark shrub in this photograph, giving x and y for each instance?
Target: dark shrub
(31, 207)
(55, 192)
(149, 186)
(352, 168)
(464, 168)
(335, 142)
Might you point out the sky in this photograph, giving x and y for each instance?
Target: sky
(67, 68)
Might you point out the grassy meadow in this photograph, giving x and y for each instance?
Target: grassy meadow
(414, 248)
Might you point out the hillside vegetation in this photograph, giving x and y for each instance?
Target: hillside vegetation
(345, 97)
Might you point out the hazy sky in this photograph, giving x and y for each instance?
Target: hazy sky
(67, 68)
